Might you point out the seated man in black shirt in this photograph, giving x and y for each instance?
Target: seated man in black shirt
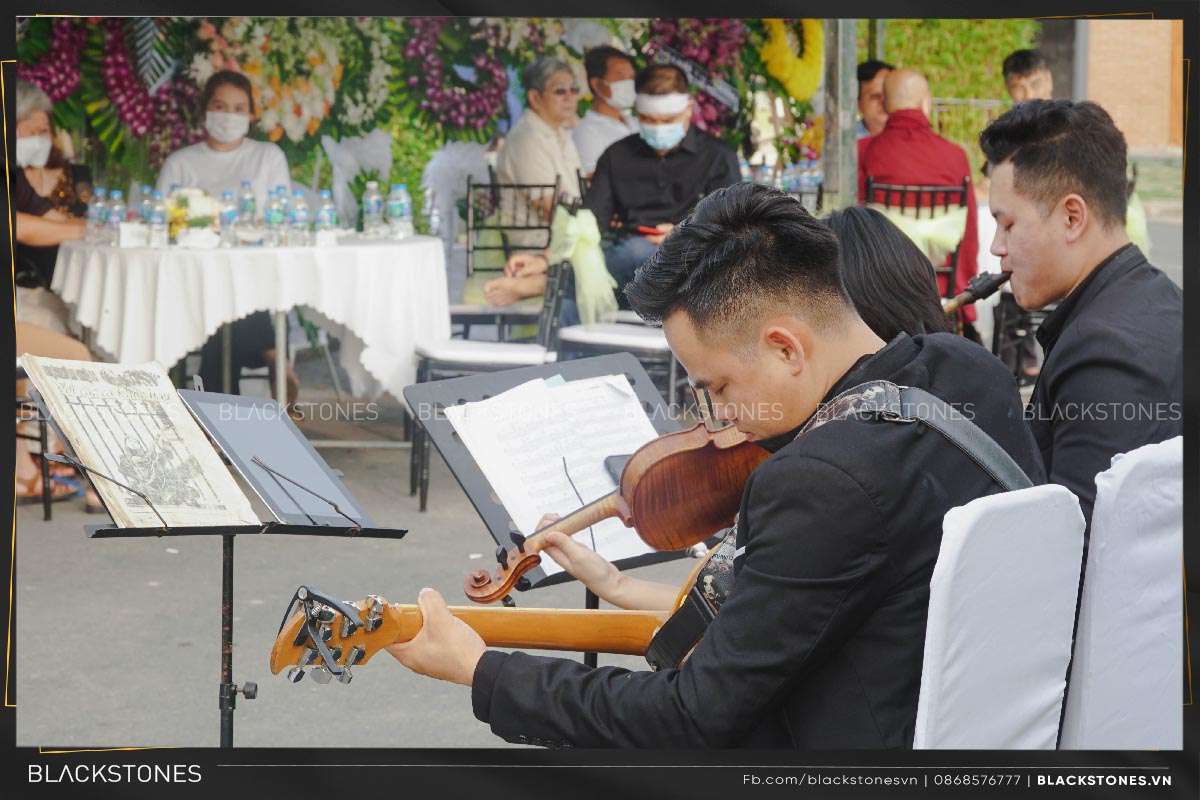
(643, 184)
(820, 643)
(1113, 376)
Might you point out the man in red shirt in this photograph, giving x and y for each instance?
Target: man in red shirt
(907, 151)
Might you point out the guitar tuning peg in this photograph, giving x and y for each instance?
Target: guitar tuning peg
(349, 626)
(345, 675)
(356, 655)
(321, 675)
(326, 633)
(325, 614)
(310, 655)
(295, 674)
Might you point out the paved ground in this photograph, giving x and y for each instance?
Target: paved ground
(118, 640)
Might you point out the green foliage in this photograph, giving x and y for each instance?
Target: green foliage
(412, 147)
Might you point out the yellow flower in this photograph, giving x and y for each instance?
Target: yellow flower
(800, 75)
(276, 133)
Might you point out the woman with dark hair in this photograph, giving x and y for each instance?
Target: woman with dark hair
(220, 163)
(889, 279)
(227, 156)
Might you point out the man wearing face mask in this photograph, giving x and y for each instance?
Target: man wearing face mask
(651, 181)
(610, 76)
(227, 156)
(220, 163)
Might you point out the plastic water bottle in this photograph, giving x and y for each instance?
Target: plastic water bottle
(327, 213)
(97, 215)
(145, 204)
(281, 192)
(228, 219)
(301, 219)
(275, 218)
(116, 215)
(372, 209)
(158, 220)
(246, 204)
(399, 211)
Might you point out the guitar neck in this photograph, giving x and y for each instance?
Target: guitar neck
(584, 630)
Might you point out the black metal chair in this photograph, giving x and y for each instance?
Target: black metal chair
(813, 201)
(453, 358)
(918, 198)
(497, 213)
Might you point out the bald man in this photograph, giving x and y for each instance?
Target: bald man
(907, 151)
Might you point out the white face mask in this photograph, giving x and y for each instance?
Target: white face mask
(33, 151)
(226, 127)
(623, 95)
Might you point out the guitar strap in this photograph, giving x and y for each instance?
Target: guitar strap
(871, 400)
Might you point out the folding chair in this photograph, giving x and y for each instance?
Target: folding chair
(1001, 610)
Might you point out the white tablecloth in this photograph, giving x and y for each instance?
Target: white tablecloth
(159, 304)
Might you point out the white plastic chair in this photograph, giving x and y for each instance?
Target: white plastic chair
(1126, 686)
(1001, 611)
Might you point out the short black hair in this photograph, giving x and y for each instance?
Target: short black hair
(743, 249)
(1023, 62)
(595, 60)
(889, 279)
(225, 77)
(1058, 147)
(661, 79)
(867, 70)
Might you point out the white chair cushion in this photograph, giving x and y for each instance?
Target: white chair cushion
(1001, 610)
(468, 351)
(462, 309)
(616, 334)
(1126, 685)
(623, 316)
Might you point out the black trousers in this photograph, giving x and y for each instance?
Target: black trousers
(252, 336)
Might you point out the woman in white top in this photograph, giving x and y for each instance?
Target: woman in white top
(227, 156)
(220, 163)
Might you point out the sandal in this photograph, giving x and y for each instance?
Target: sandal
(30, 492)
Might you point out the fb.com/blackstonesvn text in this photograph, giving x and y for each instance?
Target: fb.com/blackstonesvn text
(958, 780)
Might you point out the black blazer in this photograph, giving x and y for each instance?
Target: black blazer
(1113, 377)
(821, 641)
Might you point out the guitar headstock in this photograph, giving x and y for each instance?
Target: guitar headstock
(325, 636)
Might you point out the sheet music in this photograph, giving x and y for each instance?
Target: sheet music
(128, 422)
(520, 439)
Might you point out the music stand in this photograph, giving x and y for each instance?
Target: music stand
(293, 506)
(428, 401)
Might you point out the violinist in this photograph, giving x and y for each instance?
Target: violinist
(819, 644)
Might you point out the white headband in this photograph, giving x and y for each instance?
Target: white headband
(661, 105)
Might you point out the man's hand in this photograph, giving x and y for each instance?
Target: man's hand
(588, 566)
(445, 648)
(657, 239)
(522, 265)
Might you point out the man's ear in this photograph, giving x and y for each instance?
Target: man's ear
(786, 345)
(1076, 216)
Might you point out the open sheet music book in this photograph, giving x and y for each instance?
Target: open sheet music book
(522, 438)
(129, 422)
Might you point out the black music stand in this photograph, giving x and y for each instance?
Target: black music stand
(428, 401)
(291, 506)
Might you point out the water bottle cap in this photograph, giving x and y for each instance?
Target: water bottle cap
(246, 184)
(325, 193)
(397, 187)
(157, 195)
(117, 194)
(280, 188)
(227, 195)
(403, 186)
(297, 193)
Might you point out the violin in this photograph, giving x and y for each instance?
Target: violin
(675, 491)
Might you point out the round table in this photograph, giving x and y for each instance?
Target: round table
(159, 304)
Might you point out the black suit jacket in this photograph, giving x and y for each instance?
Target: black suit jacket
(821, 641)
(1113, 377)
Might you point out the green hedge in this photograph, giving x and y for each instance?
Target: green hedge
(962, 58)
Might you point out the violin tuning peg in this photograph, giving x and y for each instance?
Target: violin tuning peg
(501, 556)
(518, 539)
(523, 584)
(508, 602)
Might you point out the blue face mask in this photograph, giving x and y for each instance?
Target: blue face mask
(662, 137)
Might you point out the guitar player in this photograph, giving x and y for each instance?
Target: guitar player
(819, 644)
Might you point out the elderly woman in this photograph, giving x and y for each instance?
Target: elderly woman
(539, 149)
(50, 196)
(220, 163)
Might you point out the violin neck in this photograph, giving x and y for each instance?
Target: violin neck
(610, 505)
(583, 630)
